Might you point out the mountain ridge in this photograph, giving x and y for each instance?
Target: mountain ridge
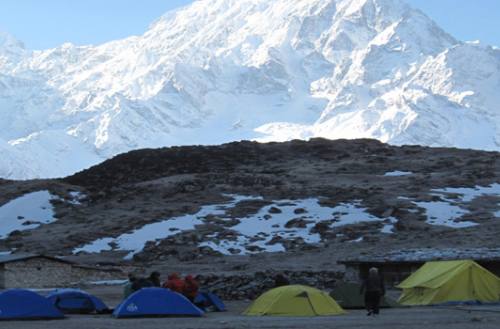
(220, 70)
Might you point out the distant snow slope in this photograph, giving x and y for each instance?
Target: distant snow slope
(223, 70)
(26, 213)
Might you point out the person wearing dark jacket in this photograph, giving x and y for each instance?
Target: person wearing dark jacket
(281, 280)
(154, 277)
(140, 283)
(373, 288)
(127, 289)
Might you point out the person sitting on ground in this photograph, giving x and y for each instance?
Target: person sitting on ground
(281, 280)
(155, 279)
(373, 288)
(140, 283)
(191, 288)
(174, 283)
(127, 289)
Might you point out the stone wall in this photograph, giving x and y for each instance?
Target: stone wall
(37, 273)
(83, 274)
(47, 273)
(250, 286)
(352, 274)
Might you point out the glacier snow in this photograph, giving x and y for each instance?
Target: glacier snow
(225, 70)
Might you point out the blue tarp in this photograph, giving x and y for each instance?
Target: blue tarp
(156, 302)
(76, 301)
(21, 304)
(208, 299)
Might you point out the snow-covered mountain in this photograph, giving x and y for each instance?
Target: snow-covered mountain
(223, 70)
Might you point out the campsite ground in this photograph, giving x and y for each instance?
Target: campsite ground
(407, 318)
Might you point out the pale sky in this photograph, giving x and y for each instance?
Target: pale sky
(42, 24)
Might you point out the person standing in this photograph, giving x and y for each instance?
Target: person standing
(127, 289)
(373, 288)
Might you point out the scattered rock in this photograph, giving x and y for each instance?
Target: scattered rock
(29, 222)
(299, 211)
(274, 210)
(297, 223)
(15, 233)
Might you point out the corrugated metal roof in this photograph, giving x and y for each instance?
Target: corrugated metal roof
(25, 256)
(425, 255)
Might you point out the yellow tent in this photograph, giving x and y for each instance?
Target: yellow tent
(450, 281)
(294, 300)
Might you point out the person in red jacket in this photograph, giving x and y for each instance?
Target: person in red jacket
(174, 283)
(191, 288)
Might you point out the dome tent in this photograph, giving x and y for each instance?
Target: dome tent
(210, 300)
(156, 302)
(76, 301)
(294, 300)
(21, 304)
(444, 282)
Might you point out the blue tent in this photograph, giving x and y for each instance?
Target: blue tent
(156, 302)
(208, 299)
(76, 301)
(20, 304)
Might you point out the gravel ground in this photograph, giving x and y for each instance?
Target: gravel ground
(434, 318)
(404, 318)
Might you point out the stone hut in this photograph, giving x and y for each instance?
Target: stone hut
(40, 271)
(398, 265)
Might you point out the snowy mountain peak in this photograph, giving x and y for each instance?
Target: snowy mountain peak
(7, 41)
(11, 49)
(223, 70)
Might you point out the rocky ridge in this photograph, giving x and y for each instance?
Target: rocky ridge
(284, 206)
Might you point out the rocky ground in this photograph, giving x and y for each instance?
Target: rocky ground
(148, 186)
(486, 317)
(396, 319)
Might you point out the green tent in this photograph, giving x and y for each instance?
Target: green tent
(450, 282)
(294, 300)
(348, 295)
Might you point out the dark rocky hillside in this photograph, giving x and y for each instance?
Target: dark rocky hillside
(342, 198)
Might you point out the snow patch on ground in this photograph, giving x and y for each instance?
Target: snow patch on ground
(26, 212)
(467, 194)
(444, 214)
(261, 229)
(253, 233)
(76, 198)
(135, 241)
(109, 282)
(283, 220)
(96, 246)
(397, 173)
(450, 209)
(388, 227)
